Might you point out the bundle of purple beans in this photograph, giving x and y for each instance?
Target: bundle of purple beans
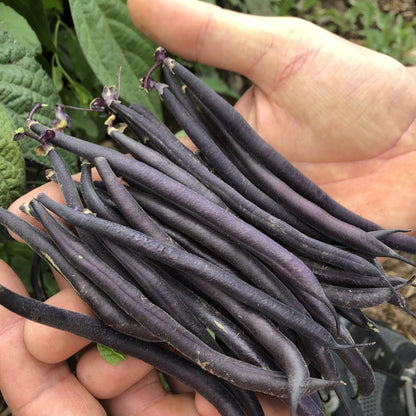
(225, 268)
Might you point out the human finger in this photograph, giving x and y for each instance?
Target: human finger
(205, 33)
(271, 406)
(92, 369)
(310, 84)
(31, 387)
(38, 337)
(148, 398)
(202, 32)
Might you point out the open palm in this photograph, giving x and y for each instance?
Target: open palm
(343, 114)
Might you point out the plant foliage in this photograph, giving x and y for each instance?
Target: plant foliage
(111, 43)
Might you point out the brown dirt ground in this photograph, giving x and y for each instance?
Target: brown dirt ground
(391, 315)
(406, 8)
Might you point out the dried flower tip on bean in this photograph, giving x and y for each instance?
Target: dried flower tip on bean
(62, 120)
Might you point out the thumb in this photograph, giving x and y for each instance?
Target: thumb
(205, 33)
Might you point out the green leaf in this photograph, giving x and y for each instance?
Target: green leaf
(164, 382)
(23, 82)
(78, 63)
(181, 133)
(368, 12)
(111, 356)
(84, 124)
(13, 23)
(210, 76)
(34, 12)
(308, 4)
(110, 41)
(57, 74)
(19, 257)
(12, 164)
(53, 5)
(84, 97)
(259, 7)
(284, 7)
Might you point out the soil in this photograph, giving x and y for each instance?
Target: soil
(406, 8)
(394, 317)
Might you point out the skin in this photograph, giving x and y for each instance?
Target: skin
(342, 114)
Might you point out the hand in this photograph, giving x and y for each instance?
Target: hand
(319, 100)
(343, 114)
(35, 380)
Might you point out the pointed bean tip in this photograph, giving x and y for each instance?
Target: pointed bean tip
(365, 344)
